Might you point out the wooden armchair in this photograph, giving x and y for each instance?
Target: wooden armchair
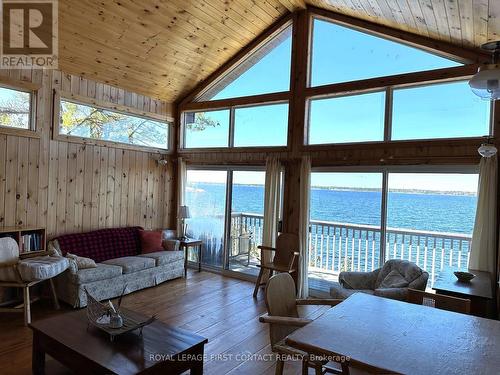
(283, 318)
(439, 301)
(285, 258)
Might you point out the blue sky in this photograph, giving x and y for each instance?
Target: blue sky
(341, 54)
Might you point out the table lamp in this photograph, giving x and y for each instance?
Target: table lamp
(183, 215)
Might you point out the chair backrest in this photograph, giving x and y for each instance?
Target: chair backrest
(439, 301)
(9, 251)
(169, 234)
(286, 245)
(409, 270)
(280, 301)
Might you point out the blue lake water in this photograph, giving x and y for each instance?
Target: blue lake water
(429, 212)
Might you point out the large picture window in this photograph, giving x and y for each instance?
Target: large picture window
(15, 108)
(85, 121)
(425, 216)
(249, 126)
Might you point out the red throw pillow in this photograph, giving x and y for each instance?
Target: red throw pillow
(150, 241)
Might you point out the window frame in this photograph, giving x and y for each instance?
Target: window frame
(111, 107)
(230, 144)
(385, 171)
(389, 100)
(32, 90)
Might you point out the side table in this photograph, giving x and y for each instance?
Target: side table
(185, 244)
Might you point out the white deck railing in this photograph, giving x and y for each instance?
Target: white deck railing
(336, 247)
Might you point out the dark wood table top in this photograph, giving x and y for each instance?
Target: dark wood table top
(127, 354)
(399, 337)
(479, 286)
(190, 242)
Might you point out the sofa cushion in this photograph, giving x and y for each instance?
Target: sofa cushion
(409, 270)
(394, 280)
(131, 264)
(339, 292)
(101, 272)
(101, 245)
(164, 257)
(81, 262)
(151, 241)
(41, 268)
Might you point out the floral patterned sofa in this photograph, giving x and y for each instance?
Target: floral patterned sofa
(120, 263)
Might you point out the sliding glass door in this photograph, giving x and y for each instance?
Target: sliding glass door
(345, 226)
(205, 195)
(227, 214)
(247, 219)
(425, 216)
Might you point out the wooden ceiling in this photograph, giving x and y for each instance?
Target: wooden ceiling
(164, 48)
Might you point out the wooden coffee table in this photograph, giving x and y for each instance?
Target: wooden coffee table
(160, 349)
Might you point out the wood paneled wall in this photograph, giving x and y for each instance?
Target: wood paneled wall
(74, 187)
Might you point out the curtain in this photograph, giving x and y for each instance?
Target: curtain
(181, 177)
(305, 190)
(271, 205)
(483, 247)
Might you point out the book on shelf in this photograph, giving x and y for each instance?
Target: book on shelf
(31, 242)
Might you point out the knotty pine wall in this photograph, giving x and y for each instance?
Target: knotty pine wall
(74, 187)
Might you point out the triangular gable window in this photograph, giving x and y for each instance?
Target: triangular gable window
(266, 70)
(341, 54)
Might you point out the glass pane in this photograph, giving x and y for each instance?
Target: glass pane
(271, 60)
(341, 54)
(447, 110)
(14, 108)
(206, 198)
(261, 126)
(430, 218)
(247, 218)
(206, 129)
(340, 120)
(345, 223)
(96, 123)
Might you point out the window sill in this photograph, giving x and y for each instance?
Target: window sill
(19, 132)
(109, 144)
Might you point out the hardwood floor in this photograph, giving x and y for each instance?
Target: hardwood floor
(219, 308)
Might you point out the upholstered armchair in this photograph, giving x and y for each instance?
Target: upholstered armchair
(390, 281)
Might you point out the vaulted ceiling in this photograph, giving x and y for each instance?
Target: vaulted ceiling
(164, 48)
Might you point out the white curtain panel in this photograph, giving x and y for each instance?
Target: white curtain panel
(181, 177)
(483, 247)
(271, 205)
(305, 191)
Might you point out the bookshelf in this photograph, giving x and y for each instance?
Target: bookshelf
(31, 240)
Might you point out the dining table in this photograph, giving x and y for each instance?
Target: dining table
(382, 335)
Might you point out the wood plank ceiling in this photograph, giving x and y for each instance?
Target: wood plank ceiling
(163, 48)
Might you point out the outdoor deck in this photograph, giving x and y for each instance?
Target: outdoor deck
(336, 247)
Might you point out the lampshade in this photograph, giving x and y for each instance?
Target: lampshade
(486, 82)
(487, 150)
(184, 212)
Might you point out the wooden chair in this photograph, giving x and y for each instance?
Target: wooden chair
(439, 301)
(285, 258)
(283, 318)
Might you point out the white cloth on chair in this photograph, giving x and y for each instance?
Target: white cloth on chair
(41, 268)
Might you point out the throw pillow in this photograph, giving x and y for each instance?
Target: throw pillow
(394, 280)
(151, 241)
(81, 262)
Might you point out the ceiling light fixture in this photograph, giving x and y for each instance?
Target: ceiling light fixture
(486, 82)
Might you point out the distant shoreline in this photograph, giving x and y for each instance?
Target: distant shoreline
(370, 190)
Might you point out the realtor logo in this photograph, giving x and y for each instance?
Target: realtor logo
(29, 34)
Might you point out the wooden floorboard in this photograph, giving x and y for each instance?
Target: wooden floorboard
(219, 308)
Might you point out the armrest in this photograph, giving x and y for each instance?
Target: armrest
(32, 254)
(284, 320)
(266, 248)
(319, 301)
(392, 293)
(358, 280)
